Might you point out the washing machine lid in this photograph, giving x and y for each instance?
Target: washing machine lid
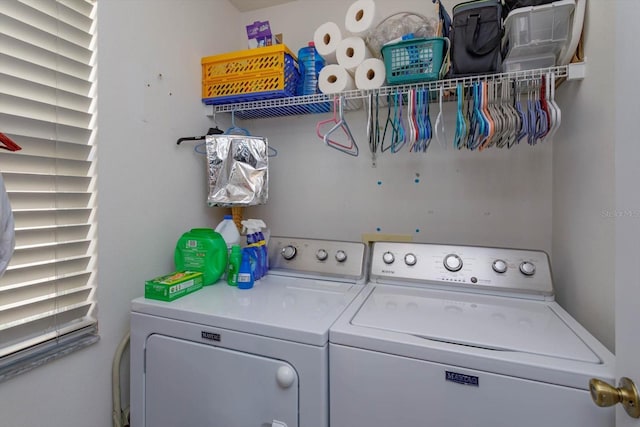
(480, 321)
(290, 308)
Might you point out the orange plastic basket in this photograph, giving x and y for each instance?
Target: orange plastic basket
(252, 74)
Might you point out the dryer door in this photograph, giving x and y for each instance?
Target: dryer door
(192, 384)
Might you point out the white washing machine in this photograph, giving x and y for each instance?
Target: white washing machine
(460, 336)
(225, 357)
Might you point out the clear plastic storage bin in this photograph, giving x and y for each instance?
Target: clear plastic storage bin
(538, 30)
(528, 63)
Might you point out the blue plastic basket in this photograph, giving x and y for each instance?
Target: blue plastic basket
(414, 60)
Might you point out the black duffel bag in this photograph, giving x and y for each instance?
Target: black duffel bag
(476, 38)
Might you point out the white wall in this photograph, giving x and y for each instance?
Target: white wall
(495, 198)
(584, 183)
(150, 190)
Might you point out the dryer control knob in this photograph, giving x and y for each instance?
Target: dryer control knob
(452, 262)
(341, 256)
(322, 255)
(499, 266)
(285, 376)
(527, 268)
(388, 258)
(410, 259)
(289, 252)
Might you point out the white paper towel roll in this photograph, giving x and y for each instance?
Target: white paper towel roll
(361, 17)
(326, 38)
(334, 78)
(351, 52)
(371, 74)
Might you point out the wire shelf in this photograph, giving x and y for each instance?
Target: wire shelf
(321, 103)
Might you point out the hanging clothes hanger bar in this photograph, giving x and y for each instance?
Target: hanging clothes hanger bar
(299, 105)
(8, 144)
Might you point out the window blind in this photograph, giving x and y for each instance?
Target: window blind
(47, 106)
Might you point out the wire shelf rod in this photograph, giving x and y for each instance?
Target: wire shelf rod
(318, 103)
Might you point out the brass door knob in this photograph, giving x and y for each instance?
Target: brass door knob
(604, 394)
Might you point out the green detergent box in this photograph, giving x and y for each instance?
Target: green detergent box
(173, 286)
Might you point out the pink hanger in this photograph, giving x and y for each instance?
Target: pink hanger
(338, 121)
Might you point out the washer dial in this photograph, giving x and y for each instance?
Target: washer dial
(322, 255)
(289, 252)
(499, 266)
(452, 262)
(341, 256)
(388, 258)
(410, 259)
(527, 268)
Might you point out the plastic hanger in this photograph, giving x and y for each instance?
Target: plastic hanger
(428, 128)
(522, 130)
(480, 124)
(542, 117)
(412, 134)
(537, 120)
(544, 94)
(335, 123)
(398, 136)
(439, 127)
(233, 130)
(495, 111)
(389, 122)
(373, 130)
(468, 118)
(490, 129)
(512, 119)
(461, 127)
(8, 144)
(515, 124)
(556, 108)
(332, 121)
(341, 124)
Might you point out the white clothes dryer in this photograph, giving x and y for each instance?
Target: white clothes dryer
(225, 357)
(461, 336)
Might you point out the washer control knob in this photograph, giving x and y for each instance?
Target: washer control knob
(452, 262)
(322, 255)
(388, 258)
(341, 256)
(527, 268)
(499, 266)
(410, 259)
(285, 376)
(289, 252)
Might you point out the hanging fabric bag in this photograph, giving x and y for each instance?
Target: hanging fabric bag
(476, 37)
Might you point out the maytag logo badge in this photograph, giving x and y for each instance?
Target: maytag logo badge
(459, 378)
(210, 336)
